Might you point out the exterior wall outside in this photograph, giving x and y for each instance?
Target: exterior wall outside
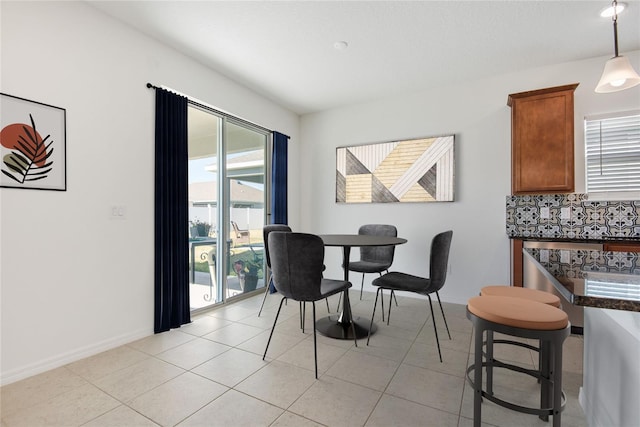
(73, 281)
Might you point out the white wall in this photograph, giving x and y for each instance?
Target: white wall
(477, 113)
(74, 282)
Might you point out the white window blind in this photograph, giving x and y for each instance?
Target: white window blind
(613, 153)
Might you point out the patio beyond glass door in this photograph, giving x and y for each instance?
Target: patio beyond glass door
(226, 208)
(245, 150)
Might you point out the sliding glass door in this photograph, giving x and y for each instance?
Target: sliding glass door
(227, 194)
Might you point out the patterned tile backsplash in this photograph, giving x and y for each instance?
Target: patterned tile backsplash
(572, 216)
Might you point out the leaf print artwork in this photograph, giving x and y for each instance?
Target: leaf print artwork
(29, 158)
(33, 145)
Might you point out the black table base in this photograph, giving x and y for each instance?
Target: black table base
(330, 327)
(339, 326)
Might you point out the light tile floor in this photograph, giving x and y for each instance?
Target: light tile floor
(211, 373)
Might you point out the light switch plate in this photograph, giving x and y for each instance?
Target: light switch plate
(118, 212)
(565, 213)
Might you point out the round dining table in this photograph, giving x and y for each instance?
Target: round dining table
(339, 326)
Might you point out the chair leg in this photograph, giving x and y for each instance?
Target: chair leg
(303, 314)
(327, 301)
(382, 304)
(390, 304)
(361, 286)
(273, 328)
(434, 327)
(393, 294)
(489, 360)
(477, 379)
(443, 316)
(353, 329)
(373, 314)
(266, 292)
(545, 377)
(557, 383)
(315, 345)
(339, 300)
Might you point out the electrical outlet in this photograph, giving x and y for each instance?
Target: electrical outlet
(565, 213)
(565, 256)
(544, 255)
(544, 213)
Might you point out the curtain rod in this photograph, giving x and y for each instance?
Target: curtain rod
(218, 112)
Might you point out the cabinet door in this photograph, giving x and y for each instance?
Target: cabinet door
(622, 247)
(516, 262)
(542, 141)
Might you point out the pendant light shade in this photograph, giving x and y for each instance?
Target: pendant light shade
(618, 73)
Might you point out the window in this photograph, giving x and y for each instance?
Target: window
(612, 153)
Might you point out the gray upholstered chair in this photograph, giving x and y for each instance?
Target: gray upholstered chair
(296, 265)
(374, 259)
(438, 264)
(265, 235)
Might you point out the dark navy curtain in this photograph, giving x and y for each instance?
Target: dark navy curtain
(279, 183)
(171, 275)
(279, 179)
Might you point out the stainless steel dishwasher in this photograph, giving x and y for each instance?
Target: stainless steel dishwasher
(533, 278)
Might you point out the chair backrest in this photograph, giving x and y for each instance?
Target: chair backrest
(265, 237)
(439, 260)
(236, 229)
(296, 264)
(379, 254)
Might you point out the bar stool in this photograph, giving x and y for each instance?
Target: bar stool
(516, 292)
(519, 317)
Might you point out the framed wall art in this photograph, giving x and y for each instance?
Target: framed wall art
(413, 170)
(32, 145)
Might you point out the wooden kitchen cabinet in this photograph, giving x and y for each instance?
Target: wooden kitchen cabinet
(622, 246)
(516, 262)
(542, 140)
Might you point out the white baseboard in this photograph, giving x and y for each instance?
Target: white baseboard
(71, 356)
(582, 400)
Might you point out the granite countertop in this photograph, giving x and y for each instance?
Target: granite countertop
(592, 278)
(602, 239)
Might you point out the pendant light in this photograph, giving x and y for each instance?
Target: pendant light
(618, 73)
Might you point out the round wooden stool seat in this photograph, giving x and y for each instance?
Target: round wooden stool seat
(517, 292)
(518, 313)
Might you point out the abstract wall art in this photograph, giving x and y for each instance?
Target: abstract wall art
(32, 145)
(413, 170)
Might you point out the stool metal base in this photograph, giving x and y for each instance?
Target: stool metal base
(542, 413)
(552, 398)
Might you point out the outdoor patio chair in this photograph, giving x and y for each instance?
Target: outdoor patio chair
(240, 237)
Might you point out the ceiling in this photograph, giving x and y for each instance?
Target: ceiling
(285, 51)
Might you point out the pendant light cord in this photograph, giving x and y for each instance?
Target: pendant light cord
(614, 17)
